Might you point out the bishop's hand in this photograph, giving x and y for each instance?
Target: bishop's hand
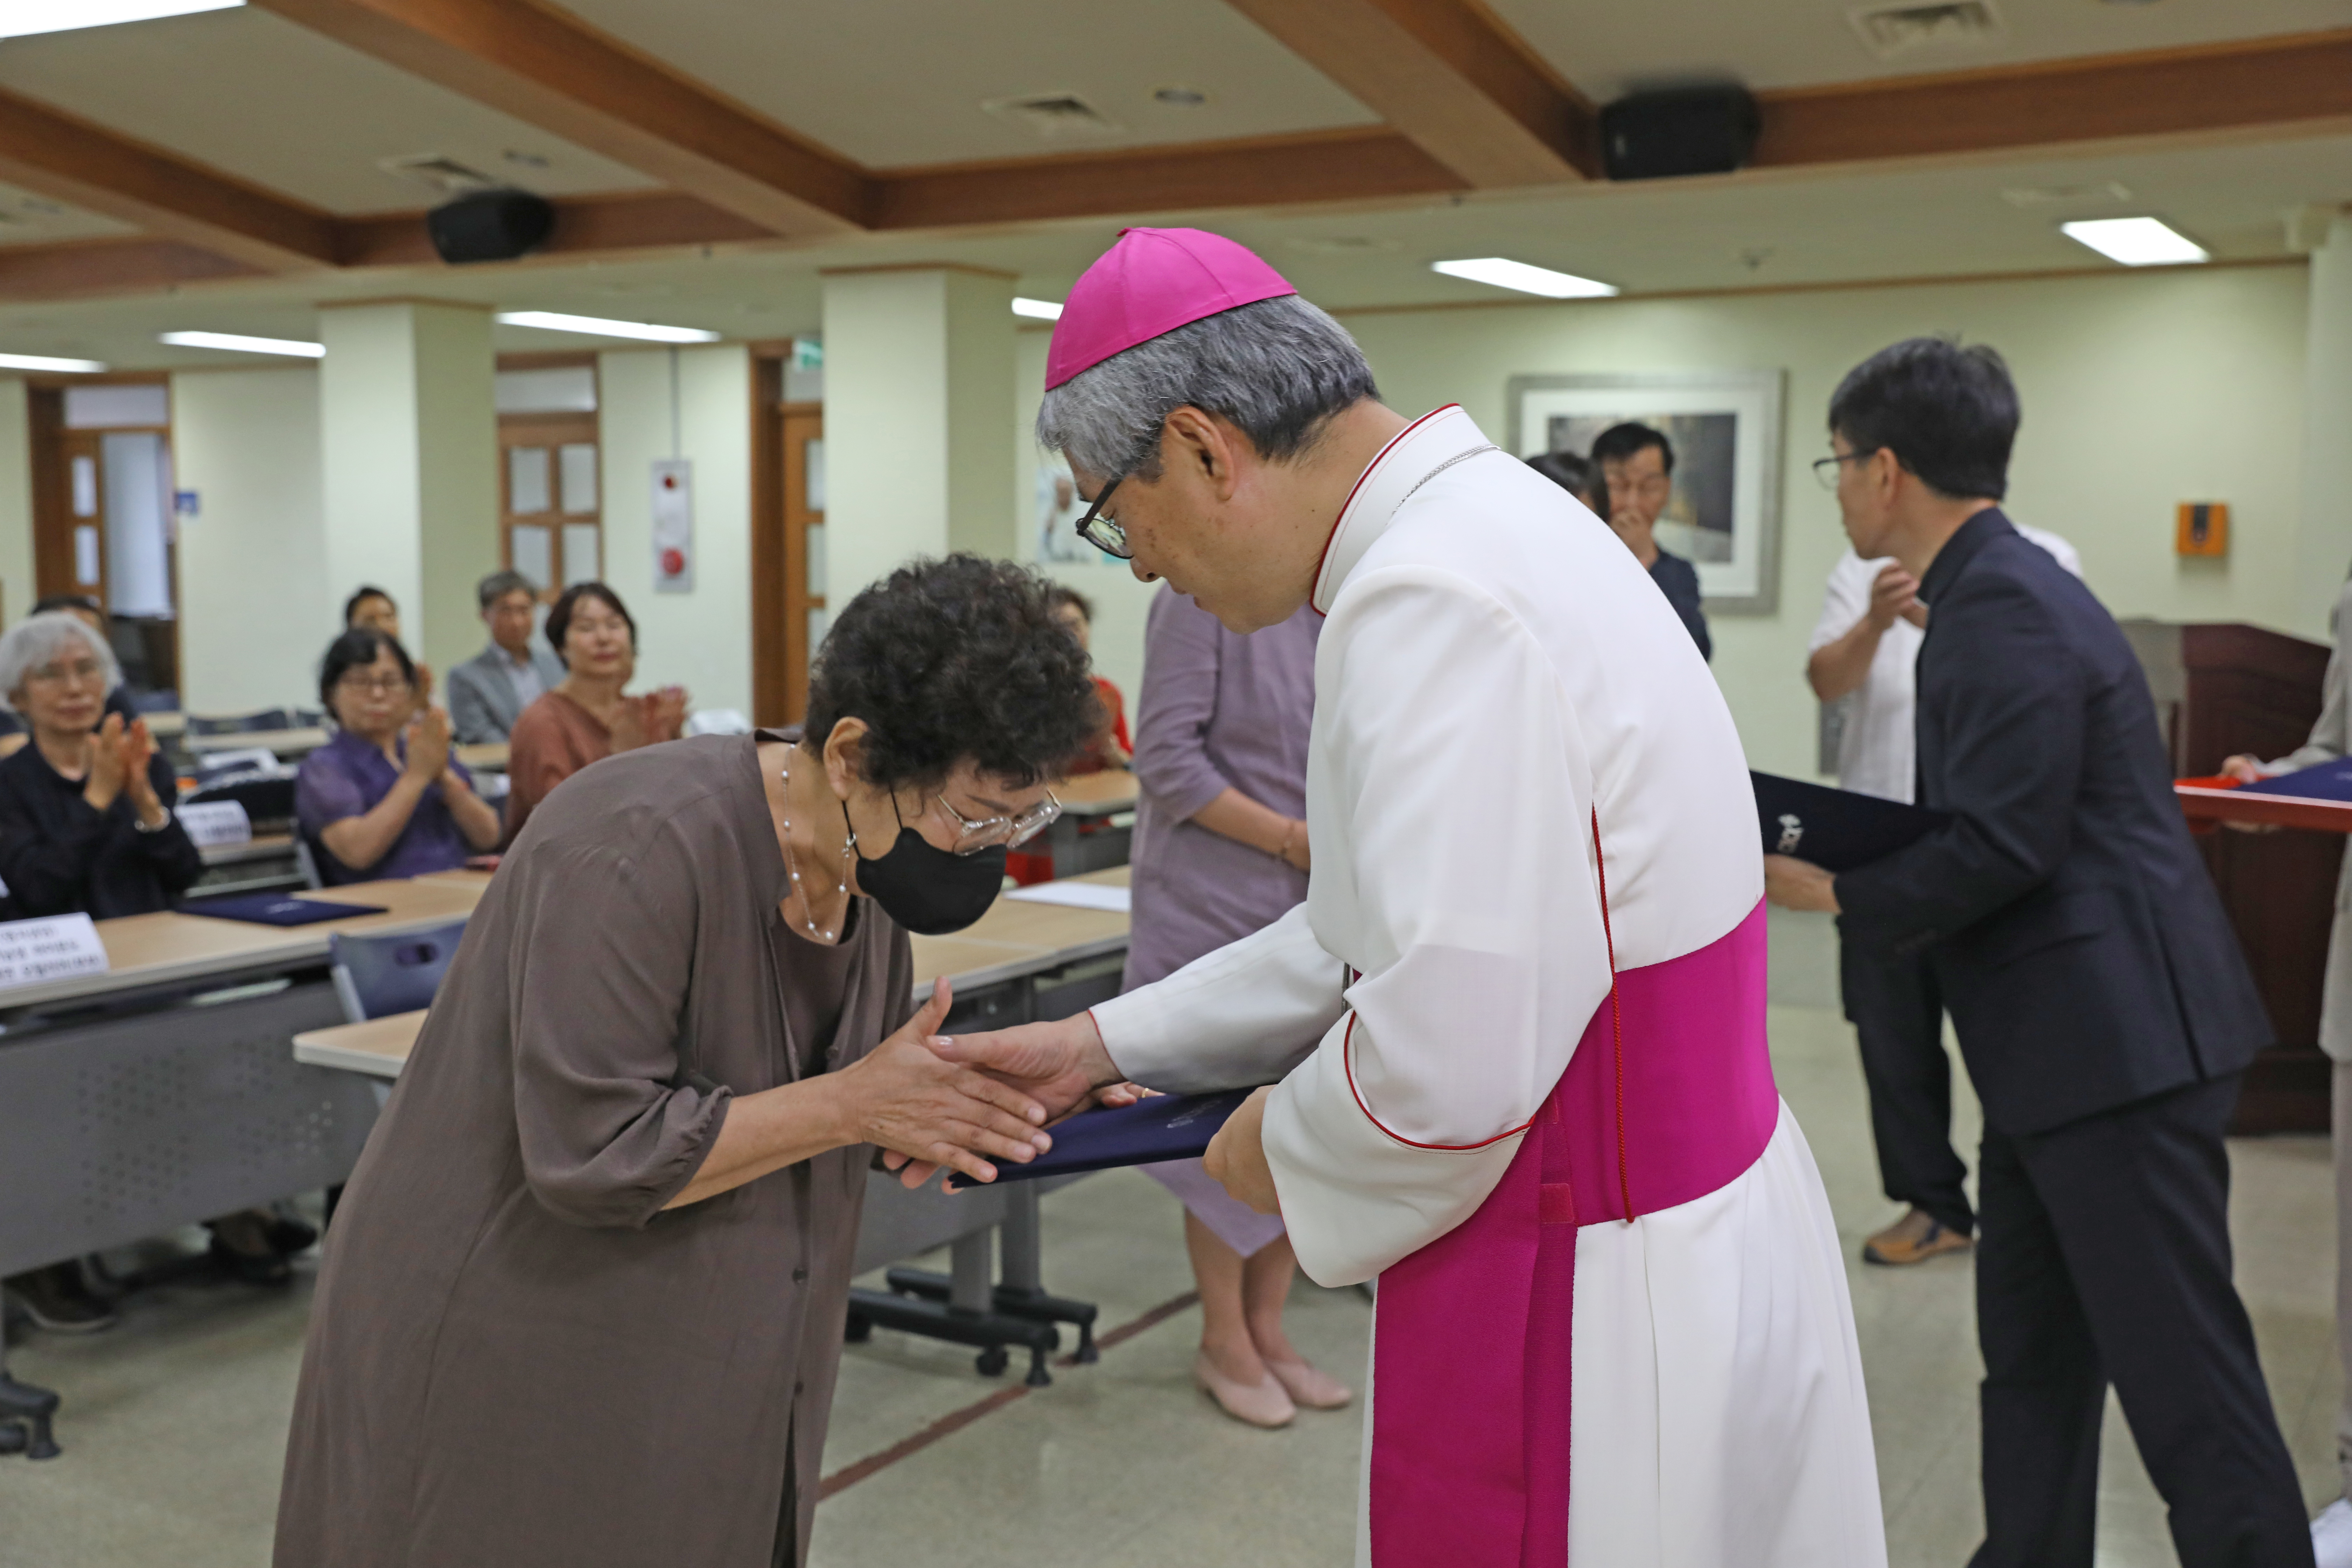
(1062, 1066)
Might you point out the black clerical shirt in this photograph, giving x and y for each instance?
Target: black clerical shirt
(59, 857)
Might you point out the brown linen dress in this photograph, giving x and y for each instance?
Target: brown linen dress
(515, 1357)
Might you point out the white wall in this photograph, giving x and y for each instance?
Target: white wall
(2140, 390)
(1120, 602)
(701, 639)
(17, 584)
(257, 610)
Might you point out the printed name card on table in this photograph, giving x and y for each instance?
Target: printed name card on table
(50, 948)
(215, 822)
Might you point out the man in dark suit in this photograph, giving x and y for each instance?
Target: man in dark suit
(2102, 1004)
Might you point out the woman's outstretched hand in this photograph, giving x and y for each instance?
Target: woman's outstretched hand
(926, 1109)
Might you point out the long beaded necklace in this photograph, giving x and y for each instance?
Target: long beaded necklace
(841, 884)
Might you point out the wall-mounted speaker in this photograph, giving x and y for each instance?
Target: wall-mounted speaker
(1679, 130)
(490, 226)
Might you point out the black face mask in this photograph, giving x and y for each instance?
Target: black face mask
(924, 888)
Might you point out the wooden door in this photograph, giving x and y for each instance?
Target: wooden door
(550, 510)
(788, 606)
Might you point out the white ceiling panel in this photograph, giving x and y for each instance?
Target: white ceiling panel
(1612, 47)
(897, 82)
(278, 106)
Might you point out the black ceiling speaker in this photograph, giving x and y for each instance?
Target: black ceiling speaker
(1679, 130)
(490, 226)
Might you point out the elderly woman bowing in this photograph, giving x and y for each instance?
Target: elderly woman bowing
(584, 1300)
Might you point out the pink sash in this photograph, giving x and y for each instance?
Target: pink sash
(1668, 1098)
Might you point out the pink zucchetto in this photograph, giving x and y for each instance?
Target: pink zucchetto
(1153, 281)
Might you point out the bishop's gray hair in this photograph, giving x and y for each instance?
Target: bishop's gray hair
(1276, 369)
(37, 639)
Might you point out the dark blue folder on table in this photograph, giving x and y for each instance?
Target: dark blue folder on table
(2328, 780)
(276, 910)
(1164, 1127)
(1836, 829)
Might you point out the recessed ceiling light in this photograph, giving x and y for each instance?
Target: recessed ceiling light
(2137, 241)
(1504, 273)
(648, 331)
(19, 18)
(1180, 97)
(528, 160)
(44, 362)
(1037, 310)
(292, 347)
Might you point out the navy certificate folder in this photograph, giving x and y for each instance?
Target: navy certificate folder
(2328, 780)
(1164, 1127)
(276, 910)
(1836, 829)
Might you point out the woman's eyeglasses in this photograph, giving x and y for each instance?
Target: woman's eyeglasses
(1105, 533)
(82, 672)
(376, 685)
(1012, 832)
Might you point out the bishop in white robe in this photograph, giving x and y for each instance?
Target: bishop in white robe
(1516, 1033)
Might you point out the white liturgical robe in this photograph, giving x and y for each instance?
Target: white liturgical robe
(1496, 671)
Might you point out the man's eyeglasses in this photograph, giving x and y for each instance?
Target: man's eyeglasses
(1105, 533)
(1826, 468)
(1012, 832)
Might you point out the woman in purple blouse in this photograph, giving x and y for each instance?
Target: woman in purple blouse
(384, 798)
(1219, 851)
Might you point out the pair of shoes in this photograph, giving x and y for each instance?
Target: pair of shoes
(2331, 1535)
(1263, 1404)
(1310, 1385)
(291, 1237)
(1915, 1238)
(55, 1298)
(241, 1245)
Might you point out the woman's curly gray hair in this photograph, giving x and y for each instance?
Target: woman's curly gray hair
(1278, 369)
(36, 640)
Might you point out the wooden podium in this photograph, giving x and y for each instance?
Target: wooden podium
(2220, 690)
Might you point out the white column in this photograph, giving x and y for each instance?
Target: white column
(408, 447)
(917, 378)
(18, 589)
(695, 404)
(2324, 542)
(247, 442)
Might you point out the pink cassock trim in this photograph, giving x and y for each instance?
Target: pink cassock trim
(1472, 1351)
(1323, 561)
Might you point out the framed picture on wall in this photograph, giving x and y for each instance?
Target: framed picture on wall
(1724, 516)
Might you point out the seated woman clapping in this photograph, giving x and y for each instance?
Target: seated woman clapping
(384, 798)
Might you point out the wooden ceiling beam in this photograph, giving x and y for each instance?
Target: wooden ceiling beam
(2292, 84)
(1260, 172)
(1450, 76)
(624, 224)
(71, 160)
(104, 268)
(551, 69)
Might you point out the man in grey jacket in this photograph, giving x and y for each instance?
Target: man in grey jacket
(2331, 738)
(489, 692)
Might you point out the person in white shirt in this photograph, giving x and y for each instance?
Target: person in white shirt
(1865, 651)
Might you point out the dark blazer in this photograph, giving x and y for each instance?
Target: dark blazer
(2080, 947)
(1677, 579)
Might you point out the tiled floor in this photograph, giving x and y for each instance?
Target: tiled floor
(176, 1420)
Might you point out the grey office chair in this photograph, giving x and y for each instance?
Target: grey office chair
(396, 973)
(239, 723)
